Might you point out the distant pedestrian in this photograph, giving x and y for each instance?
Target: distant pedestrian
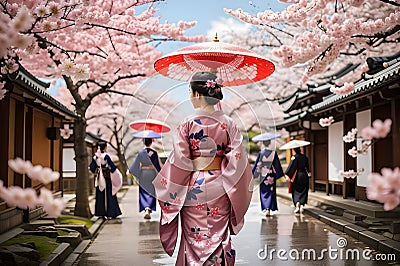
(106, 205)
(146, 167)
(298, 173)
(268, 167)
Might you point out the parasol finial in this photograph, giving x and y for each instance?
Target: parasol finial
(216, 37)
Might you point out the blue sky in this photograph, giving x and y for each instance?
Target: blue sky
(207, 13)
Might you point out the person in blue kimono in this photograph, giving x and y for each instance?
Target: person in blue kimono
(299, 170)
(146, 167)
(268, 168)
(106, 205)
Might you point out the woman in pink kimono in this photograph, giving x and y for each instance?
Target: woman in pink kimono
(206, 181)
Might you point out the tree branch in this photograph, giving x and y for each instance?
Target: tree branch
(272, 27)
(380, 35)
(105, 88)
(355, 53)
(390, 2)
(43, 44)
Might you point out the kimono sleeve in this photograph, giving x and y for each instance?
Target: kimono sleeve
(93, 166)
(171, 186)
(156, 161)
(255, 171)
(237, 178)
(292, 167)
(110, 163)
(172, 182)
(277, 166)
(135, 168)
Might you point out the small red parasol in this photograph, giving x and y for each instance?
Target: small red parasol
(150, 124)
(234, 65)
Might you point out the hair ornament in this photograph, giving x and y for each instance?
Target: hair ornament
(211, 83)
(219, 82)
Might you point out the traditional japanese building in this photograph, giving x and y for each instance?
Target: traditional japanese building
(31, 121)
(376, 96)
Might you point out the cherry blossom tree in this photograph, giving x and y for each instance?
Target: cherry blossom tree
(323, 32)
(97, 47)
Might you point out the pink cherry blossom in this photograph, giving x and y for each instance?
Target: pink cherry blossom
(353, 152)
(320, 32)
(210, 83)
(346, 88)
(391, 202)
(15, 197)
(54, 207)
(19, 166)
(23, 20)
(382, 128)
(348, 174)
(378, 130)
(27, 198)
(385, 188)
(30, 198)
(47, 176)
(368, 133)
(350, 136)
(325, 122)
(45, 196)
(65, 132)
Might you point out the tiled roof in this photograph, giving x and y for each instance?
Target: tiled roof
(290, 120)
(288, 103)
(38, 89)
(361, 87)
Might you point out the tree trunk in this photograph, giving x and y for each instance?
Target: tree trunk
(123, 167)
(82, 172)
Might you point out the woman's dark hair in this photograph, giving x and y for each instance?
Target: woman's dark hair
(205, 84)
(147, 141)
(102, 145)
(297, 150)
(266, 143)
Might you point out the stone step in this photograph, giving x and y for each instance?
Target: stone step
(353, 216)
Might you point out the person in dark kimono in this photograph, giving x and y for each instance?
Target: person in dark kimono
(146, 167)
(268, 167)
(106, 205)
(298, 170)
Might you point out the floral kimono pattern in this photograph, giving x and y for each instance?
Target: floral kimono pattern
(210, 203)
(268, 168)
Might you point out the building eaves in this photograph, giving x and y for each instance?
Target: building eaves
(290, 120)
(360, 88)
(38, 89)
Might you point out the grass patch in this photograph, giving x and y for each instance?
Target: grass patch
(44, 245)
(62, 233)
(74, 220)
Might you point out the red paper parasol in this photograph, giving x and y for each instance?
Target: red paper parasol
(233, 64)
(150, 124)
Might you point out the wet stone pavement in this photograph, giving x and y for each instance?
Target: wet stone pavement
(290, 239)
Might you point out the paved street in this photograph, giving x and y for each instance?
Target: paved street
(134, 241)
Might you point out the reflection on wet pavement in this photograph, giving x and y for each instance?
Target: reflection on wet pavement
(148, 228)
(282, 239)
(288, 239)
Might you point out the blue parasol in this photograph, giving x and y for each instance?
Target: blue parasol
(147, 134)
(265, 137)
